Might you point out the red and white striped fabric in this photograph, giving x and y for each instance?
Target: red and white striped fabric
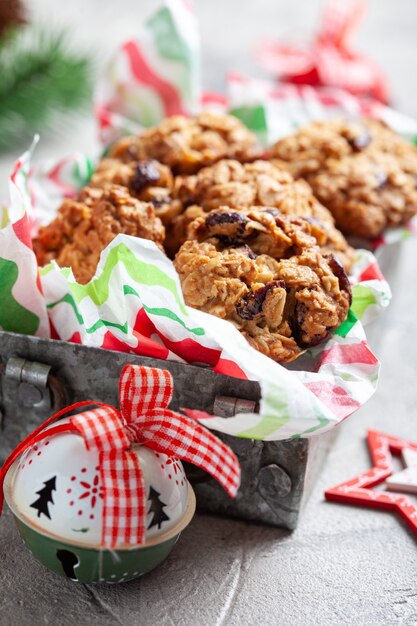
(341, 20)
(162, 430)
(144, 418)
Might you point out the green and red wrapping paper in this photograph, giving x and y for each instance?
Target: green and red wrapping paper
(154, 75)
(134, 302)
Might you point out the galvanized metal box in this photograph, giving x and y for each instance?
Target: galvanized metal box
(38, 376)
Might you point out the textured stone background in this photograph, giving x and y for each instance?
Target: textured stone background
(342, 565)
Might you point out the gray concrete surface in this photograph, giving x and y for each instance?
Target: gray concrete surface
(342, 565)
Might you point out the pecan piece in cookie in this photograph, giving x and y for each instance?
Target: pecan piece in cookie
(281, 305)
(187, 144)
(362, 171)
(85, 226)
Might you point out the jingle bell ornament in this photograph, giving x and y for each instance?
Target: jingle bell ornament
(55, 491)
(101, 496)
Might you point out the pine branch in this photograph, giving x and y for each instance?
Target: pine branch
(39, 78)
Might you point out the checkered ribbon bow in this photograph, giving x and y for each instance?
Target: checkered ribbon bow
(144, 418)
(330, 60)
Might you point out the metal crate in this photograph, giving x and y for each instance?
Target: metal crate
(39, 376)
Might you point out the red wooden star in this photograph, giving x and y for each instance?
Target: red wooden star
(358, 489)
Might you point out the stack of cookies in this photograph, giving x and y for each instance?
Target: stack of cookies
(257, 238)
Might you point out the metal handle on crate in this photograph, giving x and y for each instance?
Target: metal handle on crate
(35, 381)
(223, 406)
(227, 406)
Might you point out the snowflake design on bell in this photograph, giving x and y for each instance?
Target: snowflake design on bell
(94, 490)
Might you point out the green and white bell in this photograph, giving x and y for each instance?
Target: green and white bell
(54, 490)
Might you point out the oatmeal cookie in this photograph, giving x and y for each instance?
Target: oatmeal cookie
(187, 144)
(282, 305)
(362, 171)
(84, 226)
(237, 185)
(149, 181)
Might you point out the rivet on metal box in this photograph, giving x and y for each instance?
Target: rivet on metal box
(39, 376)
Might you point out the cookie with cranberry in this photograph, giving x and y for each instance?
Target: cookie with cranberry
(267, 277)
(84, 226)
(363, 172)
(188, 144)
(261, 183)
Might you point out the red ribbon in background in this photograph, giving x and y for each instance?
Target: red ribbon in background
(144, 418)
(329, 61)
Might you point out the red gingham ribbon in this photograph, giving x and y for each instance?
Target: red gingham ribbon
(329, 60)
(144, 418)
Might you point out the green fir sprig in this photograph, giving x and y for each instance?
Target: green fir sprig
(39, 77)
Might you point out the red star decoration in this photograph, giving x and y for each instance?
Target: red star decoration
(358, 490)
